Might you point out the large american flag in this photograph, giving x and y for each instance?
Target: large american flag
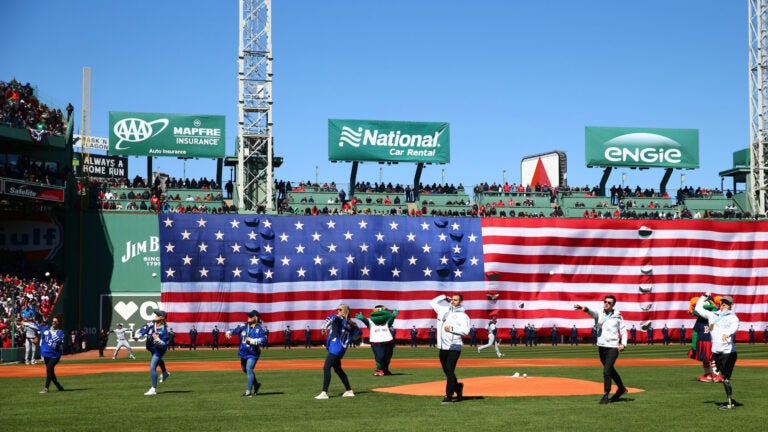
(295, 270)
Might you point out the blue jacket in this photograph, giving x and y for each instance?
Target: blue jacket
(155, 346)
(52, 344)
(250, 350)
(340, 332)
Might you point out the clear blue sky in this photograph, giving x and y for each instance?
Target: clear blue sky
(513, 78)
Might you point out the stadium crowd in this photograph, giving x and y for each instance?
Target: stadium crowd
(22, 109)
(113, 193)
(23, 299)
(35, 171)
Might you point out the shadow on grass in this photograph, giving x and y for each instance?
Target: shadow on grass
(620, 400)
(718, 403)
(263, 393)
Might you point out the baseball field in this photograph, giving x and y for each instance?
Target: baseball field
(544, 388)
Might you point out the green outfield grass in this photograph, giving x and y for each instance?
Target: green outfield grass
(203, 401)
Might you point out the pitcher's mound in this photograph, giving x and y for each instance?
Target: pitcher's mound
(507, 386)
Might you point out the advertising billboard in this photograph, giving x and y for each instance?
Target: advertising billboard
(101, 166)
(642, 147)
(34, 191)
(388, 141)
(132, 310)
(175, 135)
(93, 142)
(37, 236)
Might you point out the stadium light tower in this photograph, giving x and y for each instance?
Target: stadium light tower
(758, 106)
(254, 122)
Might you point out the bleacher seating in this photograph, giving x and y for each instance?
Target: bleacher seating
(302, 202)
(523, 204)
(713, 208)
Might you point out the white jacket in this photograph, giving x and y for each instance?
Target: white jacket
(723, 325)
(612, 330)
(454, 317)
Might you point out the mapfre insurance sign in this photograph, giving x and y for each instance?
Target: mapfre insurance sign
(176, 135)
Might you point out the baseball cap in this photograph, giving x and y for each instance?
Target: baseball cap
(727, 299)
(253, 313)
(119, 324)
(161, 313)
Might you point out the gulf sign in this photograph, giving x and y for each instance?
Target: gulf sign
(642, 147)
(37, 236)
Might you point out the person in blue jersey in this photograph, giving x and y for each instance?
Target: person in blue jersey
(452, 325)
(340, 331)
(252, 338)
(51, 348)
(611, 339)
(157, 343)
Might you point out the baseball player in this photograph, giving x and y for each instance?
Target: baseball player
(492, 341)
(122, 342)
(32, 338)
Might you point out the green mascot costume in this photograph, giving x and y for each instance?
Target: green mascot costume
(701, 343)
(381, 337)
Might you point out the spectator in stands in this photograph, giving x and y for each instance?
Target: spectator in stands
(20, 108)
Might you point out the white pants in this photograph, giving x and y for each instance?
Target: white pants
(491, 342)
(30, 352)
(123, 344)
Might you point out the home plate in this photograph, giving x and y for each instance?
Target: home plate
(507, 386)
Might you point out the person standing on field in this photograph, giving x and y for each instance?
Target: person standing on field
(723, 325)
(193, 338)
(122, 342)
(453, 324)
(52, 347)
(341, 332)
(287, 337)
(251, 339)
(31, 339)
(157, 343)
(611, 339)
(215, 338)
(492, 340)
(103, 339)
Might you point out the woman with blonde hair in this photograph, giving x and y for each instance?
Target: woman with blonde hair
(340, 332)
